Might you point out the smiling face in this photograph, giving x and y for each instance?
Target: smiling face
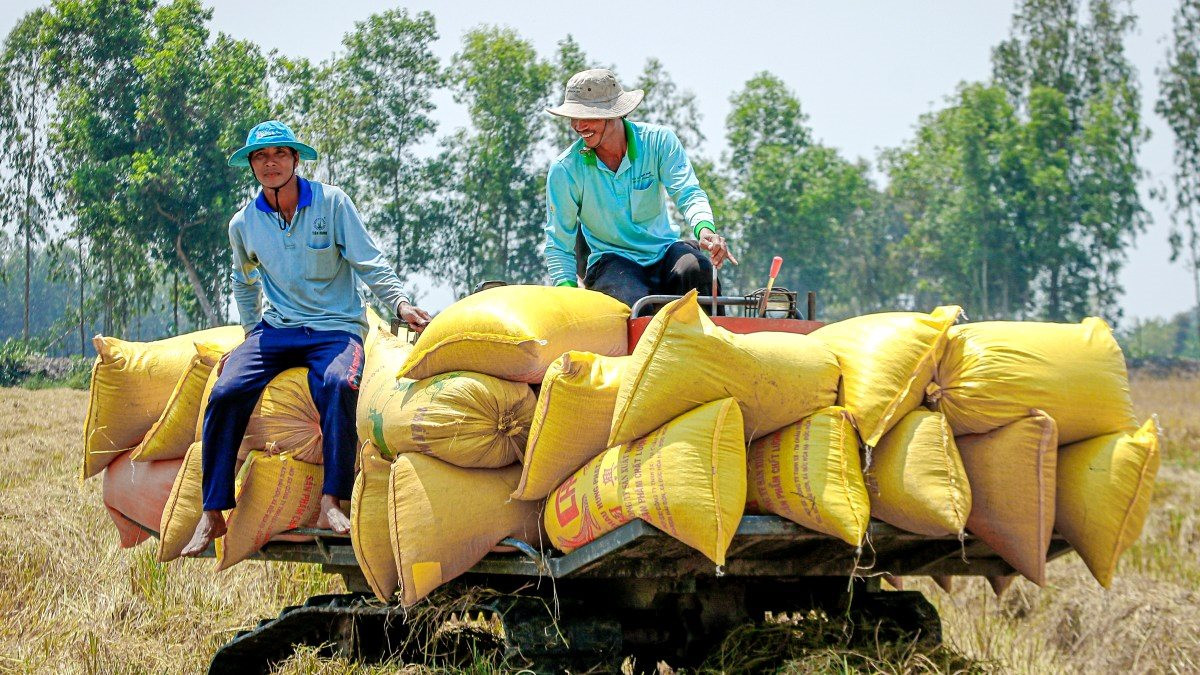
(593, 132)
(274, 166)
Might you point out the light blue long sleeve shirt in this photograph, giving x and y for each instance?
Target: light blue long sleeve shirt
(308, 271)
(623, 211)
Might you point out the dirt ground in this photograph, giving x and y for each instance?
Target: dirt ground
(74, 602)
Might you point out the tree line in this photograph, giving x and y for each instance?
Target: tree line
(1017, 197)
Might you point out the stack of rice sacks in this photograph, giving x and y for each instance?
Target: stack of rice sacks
(520, 408)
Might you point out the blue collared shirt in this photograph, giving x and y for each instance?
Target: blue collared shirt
(308, 271)
(623, 211)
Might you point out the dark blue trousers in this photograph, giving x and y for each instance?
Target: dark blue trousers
(683, 267)
(335, 362)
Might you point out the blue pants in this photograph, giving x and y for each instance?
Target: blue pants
(683, 267)
(335, 361)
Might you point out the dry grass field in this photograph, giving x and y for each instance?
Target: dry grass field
(73, 602)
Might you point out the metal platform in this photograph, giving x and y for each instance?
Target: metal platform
(763, 546)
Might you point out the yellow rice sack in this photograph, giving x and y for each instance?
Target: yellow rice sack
(1104, 490)
(174, 431)
(886, 361)
(131, 384)
(1011, 471)
(809, 472)
(571, 423)
(275, 493)
(995, 371)
(369, 532)
(376, 326)
(684, 360)
(688, 479)
(468, 419)
(184, 506)
(916, 478)
(515, 332)
(443, 519)
(285, 420)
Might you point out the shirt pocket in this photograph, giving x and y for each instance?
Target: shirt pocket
(320, 264)
(646, 203)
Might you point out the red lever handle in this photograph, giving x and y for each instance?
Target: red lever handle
(776, 263)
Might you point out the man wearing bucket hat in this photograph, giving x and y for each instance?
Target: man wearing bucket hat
(302, 246)
(609, 188)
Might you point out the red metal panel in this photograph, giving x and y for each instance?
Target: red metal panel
(735, 324)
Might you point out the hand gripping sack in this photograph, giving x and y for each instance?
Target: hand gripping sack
(688, 479)
(369, 532)
(175, 430)
(443, 519)
(684, 360)
(886, 361)
(1012, 474)
(571, 422)
(468, 419)
(993, 372)
(809, 472)
(135, 494)
(130, 385)
(916, 478)
(275, 493)
(515, 332)
(1104, 490)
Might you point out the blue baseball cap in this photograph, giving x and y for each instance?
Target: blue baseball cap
(270, 134)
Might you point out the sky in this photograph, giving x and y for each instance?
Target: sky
(864, 71)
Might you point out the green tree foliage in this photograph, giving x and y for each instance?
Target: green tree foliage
(1054, 47)
(90, 50)
(1179, 104)
(791, 196)
(199, 96)
(666, 104)
(389, 74)
(313, 100)
(954, 187)
(497, 204)
(26, 106)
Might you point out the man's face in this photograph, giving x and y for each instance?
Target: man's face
(592, 131)
(273, 167)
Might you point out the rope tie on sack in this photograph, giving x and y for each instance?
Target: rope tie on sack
(509, 425)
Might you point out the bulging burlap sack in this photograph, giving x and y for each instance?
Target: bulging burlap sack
(515, 332)
(809, 472)
(684, 360)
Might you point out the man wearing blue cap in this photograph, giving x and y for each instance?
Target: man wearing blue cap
(302, 245)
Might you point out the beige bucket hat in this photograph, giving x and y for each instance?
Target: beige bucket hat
(595, 95)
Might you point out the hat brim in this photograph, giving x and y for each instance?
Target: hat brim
(618, 107)
(242, 156)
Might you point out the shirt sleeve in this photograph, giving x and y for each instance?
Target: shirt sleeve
(679, 179)
(247, 282)
(359, 249)
(562, 224)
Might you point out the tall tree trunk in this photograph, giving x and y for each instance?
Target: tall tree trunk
(1196, 279)
(175, 300)
(210, 313)
(82, 323)
(28, 265)
(983, 288)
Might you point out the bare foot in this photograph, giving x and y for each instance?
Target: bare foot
(211, 526)
(333, 517)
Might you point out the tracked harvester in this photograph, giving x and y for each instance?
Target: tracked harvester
(634, 591)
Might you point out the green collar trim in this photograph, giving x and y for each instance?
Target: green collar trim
(631, 146)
